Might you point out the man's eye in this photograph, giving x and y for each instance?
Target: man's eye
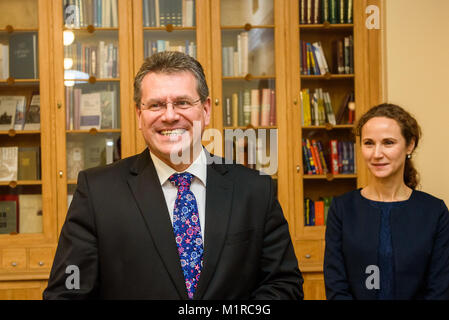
(154, 106)
(182, 103)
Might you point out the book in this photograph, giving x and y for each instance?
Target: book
(9, 214)
(4, 61)
(30, 213)
(334, 156)
(7, 112)
(33, 114)
(90, 111)
(23, 60)
(235, 109)
(319, 213)
(330, 116)
(265, 107)
(272, 107)
(108, 110)
(75, 159)
(255, 107)
(246, 107)
(28, 158)
(19, 119)
(8, 163)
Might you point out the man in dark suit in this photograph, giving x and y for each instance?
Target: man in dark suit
(174, 222)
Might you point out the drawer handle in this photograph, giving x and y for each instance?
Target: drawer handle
(308, 256)
(40, 263)
(14, 264)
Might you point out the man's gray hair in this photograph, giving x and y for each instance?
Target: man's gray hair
(170, 62)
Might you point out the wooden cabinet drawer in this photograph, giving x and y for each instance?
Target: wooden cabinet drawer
(309, 251)
(40, 258)
(14, 259)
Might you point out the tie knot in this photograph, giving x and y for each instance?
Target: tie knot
(181, 179)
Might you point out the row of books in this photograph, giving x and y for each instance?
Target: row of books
(338, 158)
(316, 108)
(235, 58)
(20, 163)
(82, 13)
(88, 110)
(313, 60)
(17, 114)
(315, 212)
(320, 11)
(158, 13)
(20, 213)
(100, 60)
(92, 152)
(256, 107)
(19, 57)
(253, 150)
(153, 46)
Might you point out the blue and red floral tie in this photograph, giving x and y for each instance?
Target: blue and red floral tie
(187, 230)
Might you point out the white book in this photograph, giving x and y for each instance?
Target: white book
(157, 11)
(190, 9)
(245, 53)
(114, 13)
(1, 62)
(19, 120)
(329, 109)
(9, 157)
(265, 107)
(240, 56)
(7, 112)
(33, 114)
(109, 150)
(319, 53)
(90, 111)
(231, 61)
(5, 61)
(30, 213)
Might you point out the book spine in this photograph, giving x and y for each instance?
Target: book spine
(334, 156)
(265, 108)
(247, 107)
(255, 107)
(272, 107)
(235, 109)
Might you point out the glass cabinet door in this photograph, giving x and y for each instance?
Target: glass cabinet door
(169, 25)
(24, 121)
(90, 127)
(323, 76)
(246, 82)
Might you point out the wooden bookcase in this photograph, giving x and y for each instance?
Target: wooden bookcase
(365, 82)
(273, 27)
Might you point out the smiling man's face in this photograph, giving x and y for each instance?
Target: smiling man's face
(170, 130)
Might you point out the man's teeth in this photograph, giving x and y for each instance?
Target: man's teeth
(173, 132)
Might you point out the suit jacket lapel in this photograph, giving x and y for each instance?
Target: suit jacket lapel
(219, 191)
(147, 191)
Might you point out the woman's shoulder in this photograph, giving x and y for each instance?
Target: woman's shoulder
(426, 199)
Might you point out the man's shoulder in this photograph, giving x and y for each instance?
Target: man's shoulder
(111, 170)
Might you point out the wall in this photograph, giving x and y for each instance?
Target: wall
(417, 78)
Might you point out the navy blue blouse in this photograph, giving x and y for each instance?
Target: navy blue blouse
(385, 250)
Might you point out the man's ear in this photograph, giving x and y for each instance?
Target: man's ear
(138, 114)
(207, 111)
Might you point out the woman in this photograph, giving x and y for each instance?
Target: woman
(387, 240)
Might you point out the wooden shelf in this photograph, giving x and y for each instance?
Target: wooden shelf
(21, 183)
(327, 77)
(326, 26)
(329, 127)
(325, 177)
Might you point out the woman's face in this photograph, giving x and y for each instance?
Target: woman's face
(384, 148)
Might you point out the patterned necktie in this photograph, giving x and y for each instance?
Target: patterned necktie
(187, 230)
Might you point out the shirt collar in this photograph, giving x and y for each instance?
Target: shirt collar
(198, 168)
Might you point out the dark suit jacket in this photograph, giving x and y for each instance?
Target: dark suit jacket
(420, 239)
(118, 232)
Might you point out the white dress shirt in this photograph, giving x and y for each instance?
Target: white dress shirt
(198, 185)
